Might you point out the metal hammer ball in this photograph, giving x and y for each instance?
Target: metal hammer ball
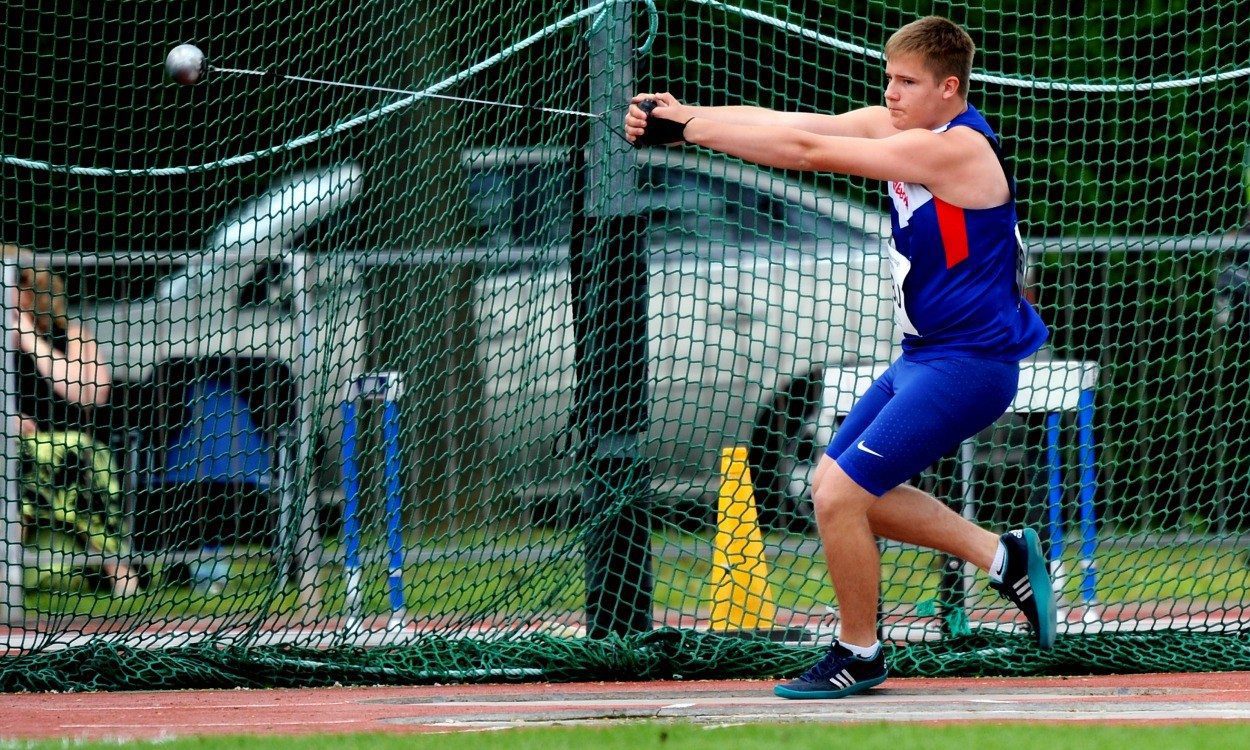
(186, 64)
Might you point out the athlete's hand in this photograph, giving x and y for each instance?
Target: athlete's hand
(641, 130)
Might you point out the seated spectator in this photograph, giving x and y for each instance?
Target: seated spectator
(71, 494)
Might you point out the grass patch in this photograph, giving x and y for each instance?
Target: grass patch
(633, 736)
(540, 572)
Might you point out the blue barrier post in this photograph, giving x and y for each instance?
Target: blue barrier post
(1054, 499)
(351, 515)
(394, 507)
(1089, 531)
(386, 387)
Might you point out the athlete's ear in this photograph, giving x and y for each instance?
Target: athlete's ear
(950, 86)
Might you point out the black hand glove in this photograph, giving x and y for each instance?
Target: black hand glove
(659, 132)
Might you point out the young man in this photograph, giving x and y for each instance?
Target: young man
(957, 272)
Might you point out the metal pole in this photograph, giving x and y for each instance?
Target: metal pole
(305, 552)
(12, 611)
(608, 160)
(609, 287)
(952, 592)
(967, 475)
(284, 472)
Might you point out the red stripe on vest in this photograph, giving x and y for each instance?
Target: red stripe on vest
(954, 231)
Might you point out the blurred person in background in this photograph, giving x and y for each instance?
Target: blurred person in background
(71, 491)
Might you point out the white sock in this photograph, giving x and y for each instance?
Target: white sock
(1000, 562)
(863, 652)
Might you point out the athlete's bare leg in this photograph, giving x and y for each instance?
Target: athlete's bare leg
(849, 518)
(906, 514)
(851, 552)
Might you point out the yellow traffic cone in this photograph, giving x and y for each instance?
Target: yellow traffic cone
(741, 597)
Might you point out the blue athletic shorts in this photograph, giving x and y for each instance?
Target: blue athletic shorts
(916, 413)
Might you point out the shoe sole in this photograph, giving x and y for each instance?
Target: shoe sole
(781, 691)
(1043, 590)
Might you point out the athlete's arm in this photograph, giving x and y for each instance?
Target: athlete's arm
(916, 155)
(865, 122)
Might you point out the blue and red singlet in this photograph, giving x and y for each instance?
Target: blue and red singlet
(958, 272)
(958, 281)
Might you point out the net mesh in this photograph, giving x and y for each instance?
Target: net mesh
(362, 386)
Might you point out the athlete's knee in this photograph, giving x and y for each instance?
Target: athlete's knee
(823, 466)
(835, 494)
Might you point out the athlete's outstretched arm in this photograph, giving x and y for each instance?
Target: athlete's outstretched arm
(917, 155)
(865, 122)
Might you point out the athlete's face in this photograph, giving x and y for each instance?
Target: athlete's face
(914, 96)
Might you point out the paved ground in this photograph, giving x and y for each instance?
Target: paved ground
(1138, 698)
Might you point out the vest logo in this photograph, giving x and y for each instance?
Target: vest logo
(900, 192)
(908, 198)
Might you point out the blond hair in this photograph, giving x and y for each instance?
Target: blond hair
(40, 291)
(942, 46)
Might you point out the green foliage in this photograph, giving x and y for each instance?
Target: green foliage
(1153, 162)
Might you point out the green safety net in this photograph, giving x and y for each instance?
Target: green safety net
(442, 380)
